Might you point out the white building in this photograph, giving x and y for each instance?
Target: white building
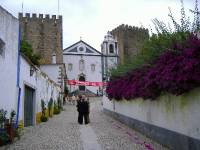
(9, 33)
(22, 85)
(83, 63)
(35, 86)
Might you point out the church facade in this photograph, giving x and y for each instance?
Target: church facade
(85, 63)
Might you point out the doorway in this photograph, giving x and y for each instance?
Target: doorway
(28, 106)
(81, 87)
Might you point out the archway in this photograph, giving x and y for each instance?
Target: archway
(82, 87)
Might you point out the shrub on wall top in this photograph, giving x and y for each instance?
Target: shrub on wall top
(176, 71)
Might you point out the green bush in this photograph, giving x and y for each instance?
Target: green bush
(50, 106)
(160, 42)
(43, 119)
(27, 50)
(56, 111)
(4, 138)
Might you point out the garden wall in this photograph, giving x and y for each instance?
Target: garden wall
(173, 121)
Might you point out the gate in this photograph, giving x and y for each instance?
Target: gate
(28, 106)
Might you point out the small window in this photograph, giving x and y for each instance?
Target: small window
(92, 67)
(111, 48)
(70, 67)
(2, 47)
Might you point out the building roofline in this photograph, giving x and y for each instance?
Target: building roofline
(8, 13)
(85, 44)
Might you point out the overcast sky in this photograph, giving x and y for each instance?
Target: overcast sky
(91, 19)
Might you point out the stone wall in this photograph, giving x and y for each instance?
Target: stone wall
(44, 34)
(130, 40)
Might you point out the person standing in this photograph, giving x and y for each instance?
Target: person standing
(80, 109)
(88, 110)
(85, 107)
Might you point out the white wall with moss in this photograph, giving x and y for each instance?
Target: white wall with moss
(176, 113)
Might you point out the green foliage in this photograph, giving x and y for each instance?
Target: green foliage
(50, 106)
(56, 108)
(152, 48)
(2, 117)
(26, 49)
(4, 137)
(43, 106)
(160, 42)
(12, 117)
(43, 118)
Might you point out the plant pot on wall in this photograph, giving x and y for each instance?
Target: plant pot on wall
(10, 132)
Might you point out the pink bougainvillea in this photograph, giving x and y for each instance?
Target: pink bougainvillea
(176, 71)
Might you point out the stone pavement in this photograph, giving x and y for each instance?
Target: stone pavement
(62, 132)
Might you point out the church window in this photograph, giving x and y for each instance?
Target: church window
(111, 48)
(81, 65)
(2, 47)
(92, 67)
(81, 49)
(70, 67)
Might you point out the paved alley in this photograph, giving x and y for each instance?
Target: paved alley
(62, 132)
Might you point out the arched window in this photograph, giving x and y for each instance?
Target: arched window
(111, 48)
(81, 87)
(81, 65)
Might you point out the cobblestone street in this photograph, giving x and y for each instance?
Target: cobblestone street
(62, 132)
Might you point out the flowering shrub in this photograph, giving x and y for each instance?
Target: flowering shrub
(176, 71)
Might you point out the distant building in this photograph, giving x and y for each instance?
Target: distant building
(130, 40)
(109, 49)
(83, 63)
(44, 34)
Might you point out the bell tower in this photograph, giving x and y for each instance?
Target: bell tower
(109, 50)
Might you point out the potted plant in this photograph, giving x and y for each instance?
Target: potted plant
(56, 109)
(50, 105)
(43, 117)
(10, 125)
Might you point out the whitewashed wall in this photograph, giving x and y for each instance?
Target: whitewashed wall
(52, 70)
(91, 76)
(9, 29)
(44, 87)
(175, 113)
